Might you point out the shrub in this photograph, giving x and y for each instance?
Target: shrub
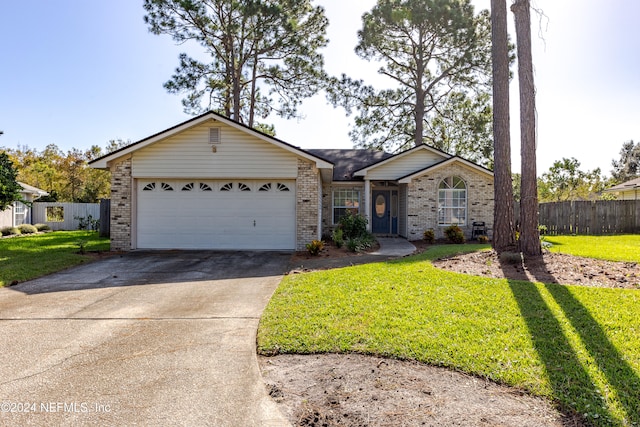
(542, 229)
(315, 247)
(483, 239)
(337, 237)
(359, 244)
(27, 229)
(353, 226)
(10, 231)
(454, 234)
(82, 246)
(88, 223)
(42, 227)
(429, 235)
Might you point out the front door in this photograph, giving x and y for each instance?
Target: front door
(381, 214)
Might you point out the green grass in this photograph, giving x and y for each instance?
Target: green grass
(27, 257)
(575, 345)
(613, 248)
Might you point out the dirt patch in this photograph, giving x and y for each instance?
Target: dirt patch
(549, 268)
(355, 390)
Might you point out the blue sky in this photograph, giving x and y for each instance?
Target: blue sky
(77, 73)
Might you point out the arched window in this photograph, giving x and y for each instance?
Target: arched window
(452, 201)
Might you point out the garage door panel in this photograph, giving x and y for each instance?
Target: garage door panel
(215, 219)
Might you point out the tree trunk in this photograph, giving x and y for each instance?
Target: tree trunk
(419, 117)
(503, 227)
(529, 234)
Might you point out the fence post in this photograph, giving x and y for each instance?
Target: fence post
(105, 217)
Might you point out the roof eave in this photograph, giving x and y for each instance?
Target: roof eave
(104, 161)
(408, 178)
(363, 171)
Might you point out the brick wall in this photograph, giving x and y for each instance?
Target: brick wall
(327, 204)
(422, 201)
(307, 204)
(121, 206)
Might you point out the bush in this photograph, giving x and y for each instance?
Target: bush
(429, 236)
(88, 223)
(337, 237)
(10, 231)
(483, 239)
(454, 234)
(315, 247)
(42, 227)
(27, 229)
(361, 243)
(353, 226)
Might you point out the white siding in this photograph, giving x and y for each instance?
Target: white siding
(404, 165)
(189, 155)
(6, 217)
(629, 195)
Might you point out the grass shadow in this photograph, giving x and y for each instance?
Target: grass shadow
(621, 377)
(567, 377)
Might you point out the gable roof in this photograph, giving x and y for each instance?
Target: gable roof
(28, 189)
(625, 186)
(346, 162)
(363, 171)
(407, 178)
(102, 162)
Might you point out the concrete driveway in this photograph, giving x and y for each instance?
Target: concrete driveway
(162, 338)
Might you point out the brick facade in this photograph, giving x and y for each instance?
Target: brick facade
(307, 204)
(327, 205)
(121, 196)
(422, 201)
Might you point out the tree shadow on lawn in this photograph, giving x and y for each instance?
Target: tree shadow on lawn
(572, 385)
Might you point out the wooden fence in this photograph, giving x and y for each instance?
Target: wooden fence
(63, 216)
(105, 212)
(591, 217)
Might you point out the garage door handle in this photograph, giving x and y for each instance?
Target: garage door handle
(254, 222)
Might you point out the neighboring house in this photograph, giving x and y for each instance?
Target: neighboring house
(629, 190)
(213, 183)
(19, 213)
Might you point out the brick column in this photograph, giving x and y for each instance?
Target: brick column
(121, 206)
(307, 204)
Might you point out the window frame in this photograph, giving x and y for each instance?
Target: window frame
(348, 196)
(449, 201)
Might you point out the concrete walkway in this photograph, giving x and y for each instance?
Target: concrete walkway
(394, 247)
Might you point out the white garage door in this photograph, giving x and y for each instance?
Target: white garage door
(205, 214)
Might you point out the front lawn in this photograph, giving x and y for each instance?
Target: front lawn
(613, 248)
(27, 257)
(578, 346)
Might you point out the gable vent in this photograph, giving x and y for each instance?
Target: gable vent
(214, 135)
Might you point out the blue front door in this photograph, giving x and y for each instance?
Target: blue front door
(381, 212)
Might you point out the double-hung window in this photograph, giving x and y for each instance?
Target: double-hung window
(452, 201)
(19, 212)
(345, 199)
